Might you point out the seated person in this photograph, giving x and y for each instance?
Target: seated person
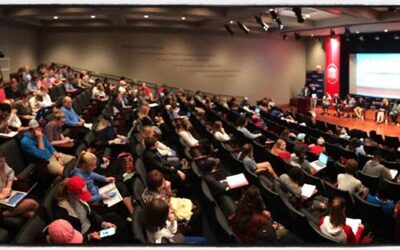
(184, 130)
(293, 180)
(71, 205)
(334, 224)
(300, 140)
(53, 132)
(157, 187)
(241, 126)
(326, 103)
(85, 166)
(36, 102)
(98, 93)
(382, 198)
(359, 107)
(26, 207)
(38, 146)
(348, 181)
(318, 148)
(219, 132)
(279, 149)
(61, 232)
(148, 132)
(246, 155)
(24, 111)
(375, 168)
(106, 133)
(72, 119)
(161, 222)
(13, 90)
(209, 167)
(298, 159)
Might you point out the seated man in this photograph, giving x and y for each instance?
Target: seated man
(38, 146)
(375, 168)
(53, 131)
(72, 119)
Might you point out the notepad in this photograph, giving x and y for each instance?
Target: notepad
(307, 190)
(111, 188)
(393, 173)
(152, 105)
(236, 181)
(354, 224)
(9, 135)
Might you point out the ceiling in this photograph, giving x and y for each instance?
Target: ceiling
(318, 20)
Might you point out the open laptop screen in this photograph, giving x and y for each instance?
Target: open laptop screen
(323, 158)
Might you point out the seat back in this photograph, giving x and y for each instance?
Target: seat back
(138, 227)
(332, 192)
(222, 229)
(316, 235)
(48, 203)
(141, 170)
(394, 190)
(13, 154)
(138, 189)
(371, 182)
(29, 231)
(89, 138)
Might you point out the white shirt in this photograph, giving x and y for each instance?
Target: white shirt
(188, 138)
(348, 182)
(47, 100)
(221, 136)
(167, 232)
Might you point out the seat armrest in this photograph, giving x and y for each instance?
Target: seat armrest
(26, 172)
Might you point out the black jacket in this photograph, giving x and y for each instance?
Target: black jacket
(153, 160)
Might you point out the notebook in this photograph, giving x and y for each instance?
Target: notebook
(15, 197)
(111, 188)
(307, 190)
(236, 181)
(320, 163)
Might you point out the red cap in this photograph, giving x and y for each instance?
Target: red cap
(77, 186)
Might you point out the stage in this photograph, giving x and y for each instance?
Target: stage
(367, 124)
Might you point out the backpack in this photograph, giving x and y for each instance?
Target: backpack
(127, 162)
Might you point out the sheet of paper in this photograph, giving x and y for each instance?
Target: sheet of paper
(9, 135)
(307, 190)
(353, 223)
(236, 181)
(111, 188)
(393, 173)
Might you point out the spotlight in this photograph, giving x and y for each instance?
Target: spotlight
(183, 18)
(297, 36)
(377, 38)
(333, 34)
(231, 22)
(228, 29)
(285, 37)
(55, 17)
(243, 27)
(261, 22)
(396, 37)
(92, 16)
(362, 39)
(146, 16)
(386, 30)
(297, 12)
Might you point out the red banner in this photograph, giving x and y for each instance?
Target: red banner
(332, 71)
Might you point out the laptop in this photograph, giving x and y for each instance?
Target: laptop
(257, 110)
(15, 197)
(320, 163)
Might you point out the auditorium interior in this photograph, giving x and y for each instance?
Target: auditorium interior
(137, 125)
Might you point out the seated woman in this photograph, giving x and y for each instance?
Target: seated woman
(99, 94)
(279, 149)
(382, 111)
(246, 155)
(241, 126)
(349, 104)
(71, 205)
(298, 159)
(326, 103)
(250, 219)
(164, 150)
(157, 187)
(105, 132)
(161, 224)
(293, 180)
(184, 131)
(23, 108)
(334, 224)
(360, 108)
(86, 164)
(219, 132)
(27, 207)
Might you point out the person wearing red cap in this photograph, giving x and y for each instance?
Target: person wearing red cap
(71, 205)
(61, 232)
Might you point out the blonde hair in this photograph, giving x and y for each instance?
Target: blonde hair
(84, 158)
(277, 146)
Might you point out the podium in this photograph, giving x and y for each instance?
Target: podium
(303, 104)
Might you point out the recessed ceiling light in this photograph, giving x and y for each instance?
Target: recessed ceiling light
(386, 30)
(231, 22)
(55, 17)
(146, 16)
(357, 32)
(271, 9)
(183, 18)
(93, 16)
(307, 15)
(312, 35)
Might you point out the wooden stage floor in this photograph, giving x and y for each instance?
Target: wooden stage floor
(367, 124)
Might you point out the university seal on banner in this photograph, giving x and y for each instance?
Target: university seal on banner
(332, 73)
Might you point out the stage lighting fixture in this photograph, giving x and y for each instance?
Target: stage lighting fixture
(285, 37)
(243, 27)
(333, 34)
(299, 16)
(362, 39)
(297, 36)
(228, 29)
(396, 37)
(261, 22)
(377, 38)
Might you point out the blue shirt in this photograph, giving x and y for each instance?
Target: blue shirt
(71, 117)
(387, 206)
(90, 178)
(29, 144)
